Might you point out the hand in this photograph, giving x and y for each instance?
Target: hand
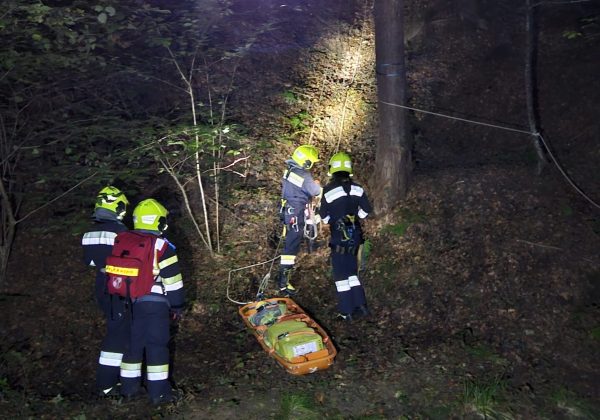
(176, 315)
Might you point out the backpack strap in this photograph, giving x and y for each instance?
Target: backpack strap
(159, 246)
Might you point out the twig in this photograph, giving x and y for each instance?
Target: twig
(56, 198)
(540, 245)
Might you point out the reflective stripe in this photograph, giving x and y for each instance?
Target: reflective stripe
(171, 280)
(334, 194)
(353, 281)
(157, 372)
(110, 359)
(362, 214)
(288, 259)
(168, 261)
(99, 238)
(175, 286)
(356, 190)
(158, 245)
(342, 286)
(157, 289)
(294, 179)
(131, 370)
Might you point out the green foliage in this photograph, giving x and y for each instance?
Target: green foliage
(300, 122)
(289, 97)
(407, 218)
(483, 352)
(570, 34)
(587, 27)
(398, 229)
(595, 333)
(572, 405)
(566, 210)
(298, 407)
(484, 398)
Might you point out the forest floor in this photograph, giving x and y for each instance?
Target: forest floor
(484, 284)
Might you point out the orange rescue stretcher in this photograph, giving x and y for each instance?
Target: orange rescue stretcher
(305, 358)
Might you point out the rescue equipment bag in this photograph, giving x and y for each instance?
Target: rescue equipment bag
(133, 266)
(291, 339)
(268, 313)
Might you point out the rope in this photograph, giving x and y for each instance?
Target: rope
(538, 135)
(244, 268)
(265, 280)
(458, 119)
(567, 177)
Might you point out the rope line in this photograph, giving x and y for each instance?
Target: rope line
(567, 177)
(244, 268)
(538, 135)
(458, 119)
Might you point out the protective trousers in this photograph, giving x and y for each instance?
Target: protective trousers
(149, 335)
(115, 342)
(294, 233)
(349, 290)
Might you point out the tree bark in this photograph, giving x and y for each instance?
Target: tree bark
(393, 160)
(531, 82)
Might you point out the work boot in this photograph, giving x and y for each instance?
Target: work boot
(362, 311)
(288, 290)
(112, 392)
(283, 282)
(344, 317)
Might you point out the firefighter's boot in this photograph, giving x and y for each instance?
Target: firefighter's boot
(285, 287)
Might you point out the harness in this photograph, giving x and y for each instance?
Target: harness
(311, 217)
(349, 230)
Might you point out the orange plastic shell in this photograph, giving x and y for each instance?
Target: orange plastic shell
(301, 365)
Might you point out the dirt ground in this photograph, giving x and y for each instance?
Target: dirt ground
(484, 283)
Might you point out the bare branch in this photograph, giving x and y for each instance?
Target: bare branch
(56, 198)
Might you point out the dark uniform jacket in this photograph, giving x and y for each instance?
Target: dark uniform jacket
(343, 201)
(97, 244)
(298, 186)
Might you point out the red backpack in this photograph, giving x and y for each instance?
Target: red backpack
(133, 266)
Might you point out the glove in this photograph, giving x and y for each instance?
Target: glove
(176, 314)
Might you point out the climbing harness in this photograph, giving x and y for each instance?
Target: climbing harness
(312, 222)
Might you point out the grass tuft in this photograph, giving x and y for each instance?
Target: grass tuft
(573, 406)
(484, 399)
(298, 406)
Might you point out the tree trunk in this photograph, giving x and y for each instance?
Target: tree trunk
(531, 82)
(393, 160)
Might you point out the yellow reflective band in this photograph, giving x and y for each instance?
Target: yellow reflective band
(123, 271)
(288, 259)
(157, 368)
(131, 366)
(168, 261)
(171, 280)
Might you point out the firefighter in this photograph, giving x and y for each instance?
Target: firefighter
(151, 314)
(343, 205)
(111, 207)
(297, 190)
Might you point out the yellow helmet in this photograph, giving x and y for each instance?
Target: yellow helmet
(150, 215)
(340, 162)
(306, 156)
(113, 199)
